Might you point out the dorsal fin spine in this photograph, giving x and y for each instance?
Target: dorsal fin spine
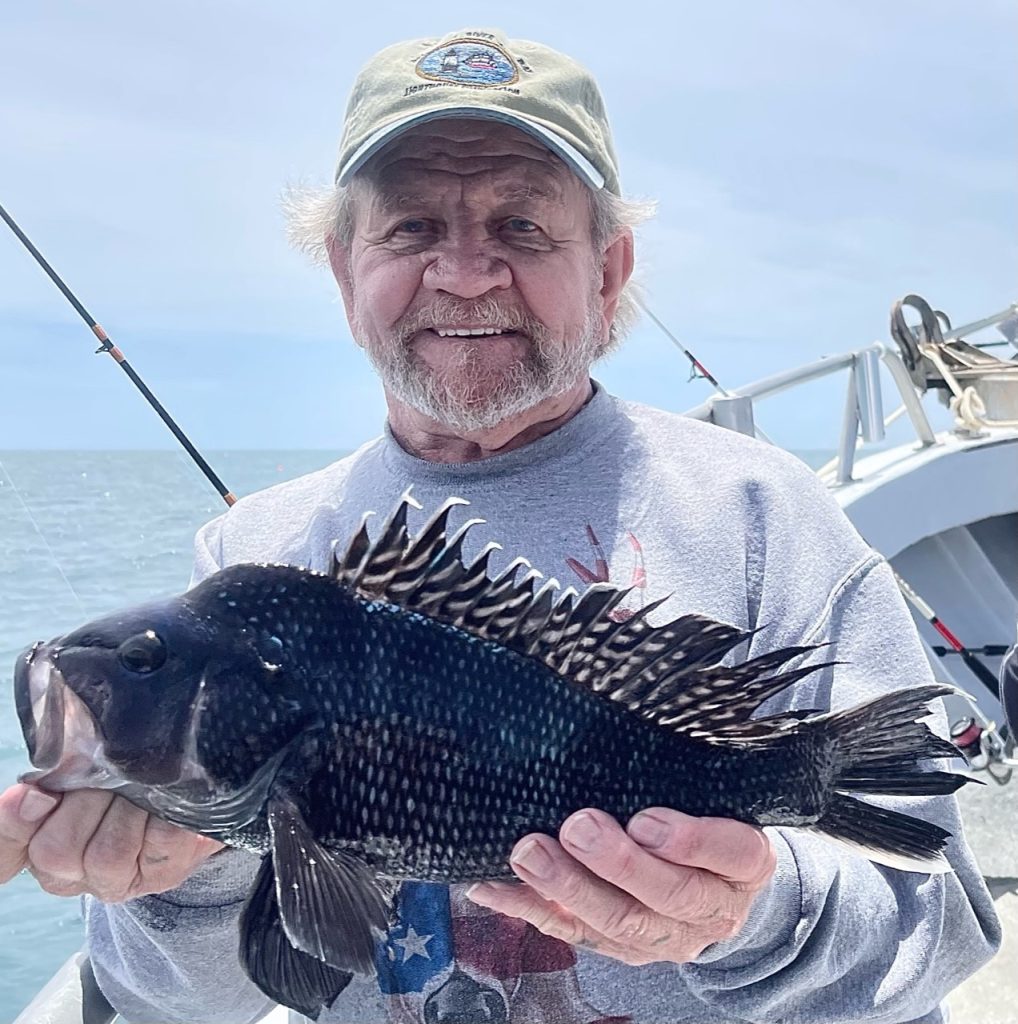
(671, 675)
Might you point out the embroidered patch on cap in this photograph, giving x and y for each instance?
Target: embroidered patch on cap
(469, 62)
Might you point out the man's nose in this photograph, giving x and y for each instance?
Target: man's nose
(465, 269)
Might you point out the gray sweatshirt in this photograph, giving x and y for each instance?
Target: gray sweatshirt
(729, 528)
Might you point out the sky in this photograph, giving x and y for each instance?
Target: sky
(812, 162)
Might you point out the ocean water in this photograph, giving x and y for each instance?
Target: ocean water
(82, 533)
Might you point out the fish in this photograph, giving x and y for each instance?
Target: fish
(410, 715)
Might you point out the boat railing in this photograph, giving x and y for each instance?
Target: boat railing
(71, 996)
(863, 420)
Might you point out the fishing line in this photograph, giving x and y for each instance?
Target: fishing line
(46, 543)
(107, 346)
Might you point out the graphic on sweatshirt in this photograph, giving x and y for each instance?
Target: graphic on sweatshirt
(448, 961)
(602, 574)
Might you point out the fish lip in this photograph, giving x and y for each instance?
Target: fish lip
(28, 691)
(63, 739)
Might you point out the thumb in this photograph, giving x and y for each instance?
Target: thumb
(23, 809)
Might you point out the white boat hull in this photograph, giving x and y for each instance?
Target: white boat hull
(946, 517)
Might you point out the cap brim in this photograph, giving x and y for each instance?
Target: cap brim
(577, 162)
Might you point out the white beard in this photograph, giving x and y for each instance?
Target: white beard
(468, 396)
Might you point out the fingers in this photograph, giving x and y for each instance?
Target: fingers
(90, 841)
(681, 907)
(110, 860)
(22, 811)
(548, 917)
(56, 853)
(606, 910)
(735, 851)
(687, 883)
(169, 854)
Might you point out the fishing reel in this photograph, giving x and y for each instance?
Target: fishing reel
(985, 747)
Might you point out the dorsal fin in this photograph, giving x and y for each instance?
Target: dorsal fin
(671, 674)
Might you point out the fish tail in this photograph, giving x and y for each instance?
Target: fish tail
(887, 837)
(879, 747)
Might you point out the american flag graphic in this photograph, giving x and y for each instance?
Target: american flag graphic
(448, 961)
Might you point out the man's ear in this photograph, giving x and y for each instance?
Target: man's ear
(339, 260)
(617, 268)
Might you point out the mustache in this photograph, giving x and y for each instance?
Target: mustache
(486, 312)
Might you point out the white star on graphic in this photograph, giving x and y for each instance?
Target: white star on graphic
(414, 944)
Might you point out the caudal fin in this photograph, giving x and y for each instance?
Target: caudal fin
(878, 747)
(885, 836)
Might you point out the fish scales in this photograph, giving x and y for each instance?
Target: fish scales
(407, 716)
(514, 756)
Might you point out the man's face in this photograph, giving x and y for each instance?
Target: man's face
(471, 226)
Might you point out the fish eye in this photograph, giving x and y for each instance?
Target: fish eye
(142, 653)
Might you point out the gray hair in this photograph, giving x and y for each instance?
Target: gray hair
(317, 214)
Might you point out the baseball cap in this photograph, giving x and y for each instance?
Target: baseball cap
(481, 74)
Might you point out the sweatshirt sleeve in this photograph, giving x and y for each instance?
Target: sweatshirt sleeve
(173, 958)
(208, 550)
(835, 929)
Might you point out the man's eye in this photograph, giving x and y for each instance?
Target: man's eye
(521, 224)
(413, 227)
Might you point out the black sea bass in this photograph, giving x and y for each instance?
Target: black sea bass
(408, 717)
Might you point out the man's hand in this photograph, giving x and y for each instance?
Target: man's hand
(663, 889)
(92, 841)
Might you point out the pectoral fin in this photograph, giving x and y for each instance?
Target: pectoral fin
(330, 903)
(285, 974)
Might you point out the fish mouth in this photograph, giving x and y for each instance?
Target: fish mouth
(64, 743)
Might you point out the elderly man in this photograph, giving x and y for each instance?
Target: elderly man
(483, 253)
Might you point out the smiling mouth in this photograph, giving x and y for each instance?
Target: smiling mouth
(472, 332)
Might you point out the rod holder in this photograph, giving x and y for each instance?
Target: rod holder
(734, 412)
(868, 396)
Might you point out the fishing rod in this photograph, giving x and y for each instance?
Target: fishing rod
(968, 655)
(976, 667)
(107, 346)
(697, 367)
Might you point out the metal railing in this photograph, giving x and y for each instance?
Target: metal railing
(863, 420)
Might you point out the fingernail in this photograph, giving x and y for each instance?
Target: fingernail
(481, 892)
(583, 832)
(647, 830)
(35, 805)
(534, 859)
